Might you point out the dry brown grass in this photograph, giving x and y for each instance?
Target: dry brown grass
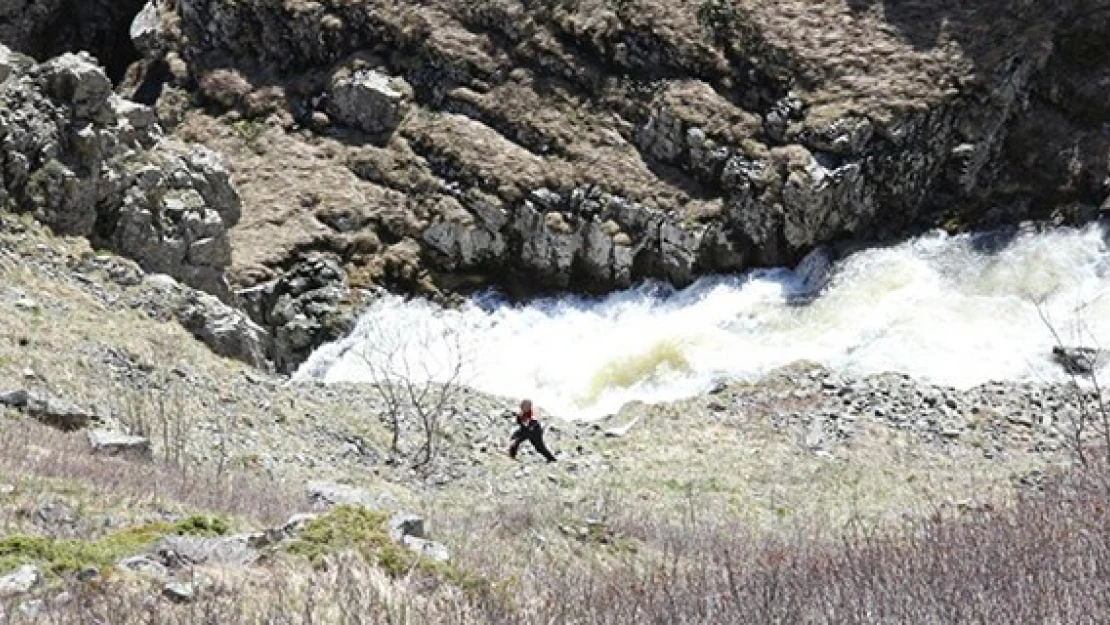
(1040, 561)
(41, 463)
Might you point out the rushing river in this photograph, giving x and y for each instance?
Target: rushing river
(955, 310)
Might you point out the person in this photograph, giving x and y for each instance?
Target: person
(529, 430)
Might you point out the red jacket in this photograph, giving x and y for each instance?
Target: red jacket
(526, 418)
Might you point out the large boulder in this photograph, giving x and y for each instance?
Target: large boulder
(368, 100)
(302, 309)
(227, 331)
(54, 411)
(88, 163)
(111, 443)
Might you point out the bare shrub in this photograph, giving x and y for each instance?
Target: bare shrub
(1041, 561)
(417, 373)
(29, 450)
(1086, 390)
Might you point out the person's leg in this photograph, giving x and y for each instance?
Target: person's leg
(536, 438)
(514, 442)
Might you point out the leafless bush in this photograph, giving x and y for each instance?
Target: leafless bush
(1086, 389)
(31, 450)
(416, 374)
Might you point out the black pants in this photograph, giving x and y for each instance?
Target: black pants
(532, 433)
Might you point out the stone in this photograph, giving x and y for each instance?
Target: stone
(15, 399)
(88, 574)
(50, 410)
(120, 182)
(225, 330)
(301, 309)
(180, 592)
(333, 494)
(404, 524)
(112, 443)
(184, 551)
(1078, 360)
(19, 581)
(427, 548)
(77, 80)
(367, 100)
(147, 31)
(144, 566)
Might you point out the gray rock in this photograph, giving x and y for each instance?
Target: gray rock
(19, 581)
(147, 31)
(333, 494)
(426, 548)
(1078, 360)
(225, 330)
(144, 566)
(183, 551)
(180, 592)
(7, 62)
(118, 181)
(404, 524)
(76, 80)
(15, 399)
(297, 522)
(112, 443)
(301, 309)
(50, 410)
(367, 100)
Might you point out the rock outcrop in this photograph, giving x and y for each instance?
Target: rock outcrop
(302, 309)
(54, 411)
(226, 330)
(586, 146)
(47, 28)
(574, 146)
(89, 163)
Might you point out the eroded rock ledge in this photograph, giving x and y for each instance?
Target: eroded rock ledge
(587, 145)
(88, 163)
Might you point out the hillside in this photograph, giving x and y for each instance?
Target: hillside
(197, 194)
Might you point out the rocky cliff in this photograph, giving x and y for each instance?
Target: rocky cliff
(582, 144)
(589, 144)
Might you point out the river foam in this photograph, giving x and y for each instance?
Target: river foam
(954, 310)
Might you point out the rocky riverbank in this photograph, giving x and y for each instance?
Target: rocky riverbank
(64, 298)
(581, 146)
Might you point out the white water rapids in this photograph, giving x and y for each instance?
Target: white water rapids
(951, 310)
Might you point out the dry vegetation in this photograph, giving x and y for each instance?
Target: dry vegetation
(1040, 560)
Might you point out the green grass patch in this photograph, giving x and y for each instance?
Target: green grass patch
(66, 555)
(352, 528)
(202, 525)
(60, 556)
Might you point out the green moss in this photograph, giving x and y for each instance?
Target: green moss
(202, 525)
(351, 528)
(347, 528)
(60, 556)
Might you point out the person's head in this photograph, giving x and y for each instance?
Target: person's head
(526, 406)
